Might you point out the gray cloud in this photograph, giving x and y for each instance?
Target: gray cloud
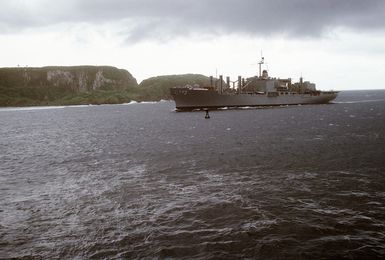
(164, 19)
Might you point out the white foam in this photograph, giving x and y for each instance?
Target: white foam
(149, 102)
(5, 109)
(89, 105)
(358, 101)
(130, 103)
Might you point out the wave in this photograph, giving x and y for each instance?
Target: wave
(6, 109)
(144, 102)
(359, 101)
(130, 103)
(89, 105)
(149, 102)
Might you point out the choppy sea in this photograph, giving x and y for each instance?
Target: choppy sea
(140, 180)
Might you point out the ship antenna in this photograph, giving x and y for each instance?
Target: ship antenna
(260, 65)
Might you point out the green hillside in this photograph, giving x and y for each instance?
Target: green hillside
(65, 86)
(79, 85)
(157, 88)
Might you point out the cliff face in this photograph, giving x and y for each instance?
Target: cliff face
(85, 85)
(65, 85)
(77, 78)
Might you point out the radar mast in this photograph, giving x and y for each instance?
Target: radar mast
(260, 65)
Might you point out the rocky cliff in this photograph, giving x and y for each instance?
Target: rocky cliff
(76, 78)
(46, 85)
(85, 85)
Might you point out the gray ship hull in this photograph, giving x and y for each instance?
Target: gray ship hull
(189, 99)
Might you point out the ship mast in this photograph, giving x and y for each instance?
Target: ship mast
(260, 65)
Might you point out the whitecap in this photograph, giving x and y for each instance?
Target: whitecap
(6, 109)
(358, 101)
(130, 103)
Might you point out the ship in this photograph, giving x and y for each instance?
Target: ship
(257, 91)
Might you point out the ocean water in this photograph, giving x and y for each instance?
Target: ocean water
(140, 180)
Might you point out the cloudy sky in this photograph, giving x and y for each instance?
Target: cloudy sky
(338, 44)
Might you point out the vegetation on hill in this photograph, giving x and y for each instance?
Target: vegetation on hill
(85, 85)
(65, 86)
(157, 88)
